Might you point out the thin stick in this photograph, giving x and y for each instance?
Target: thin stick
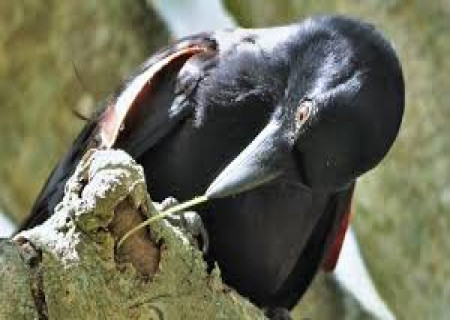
(179, 207)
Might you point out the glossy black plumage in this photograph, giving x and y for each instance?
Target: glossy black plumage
(203, 106)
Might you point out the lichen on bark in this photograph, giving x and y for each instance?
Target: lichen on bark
(70, 267)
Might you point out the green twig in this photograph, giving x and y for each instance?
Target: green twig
(180, 207)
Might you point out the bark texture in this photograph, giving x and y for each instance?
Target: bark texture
(70, 267)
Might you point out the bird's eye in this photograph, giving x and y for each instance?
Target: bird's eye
(303, 112)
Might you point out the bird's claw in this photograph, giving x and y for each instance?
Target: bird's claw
(189, 222)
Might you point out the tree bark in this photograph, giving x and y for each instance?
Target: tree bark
(70, 267)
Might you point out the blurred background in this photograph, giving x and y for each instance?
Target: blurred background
(61, 56)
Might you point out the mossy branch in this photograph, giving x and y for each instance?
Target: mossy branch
(70, 267)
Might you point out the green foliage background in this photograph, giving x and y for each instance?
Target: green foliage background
(402, 213)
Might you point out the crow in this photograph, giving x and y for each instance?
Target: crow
(274, 125)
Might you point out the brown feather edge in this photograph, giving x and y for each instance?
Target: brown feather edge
(331, 258)
(112, 119)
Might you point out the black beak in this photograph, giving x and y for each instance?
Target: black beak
(260, 162)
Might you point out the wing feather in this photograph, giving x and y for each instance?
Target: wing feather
(134, 120)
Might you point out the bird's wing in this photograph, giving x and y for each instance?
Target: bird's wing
(156, 98)
(53, 190)
(146, 108)
(336, 241)
(316, 251)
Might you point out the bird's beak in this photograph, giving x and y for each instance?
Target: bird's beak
(260, 162)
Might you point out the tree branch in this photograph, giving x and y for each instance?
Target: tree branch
(69, 268)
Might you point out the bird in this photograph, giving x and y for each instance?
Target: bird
(350, 273)
(273, 125)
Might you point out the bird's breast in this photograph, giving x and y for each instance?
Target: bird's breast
(258, 237)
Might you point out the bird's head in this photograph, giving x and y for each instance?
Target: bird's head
(339, 112)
